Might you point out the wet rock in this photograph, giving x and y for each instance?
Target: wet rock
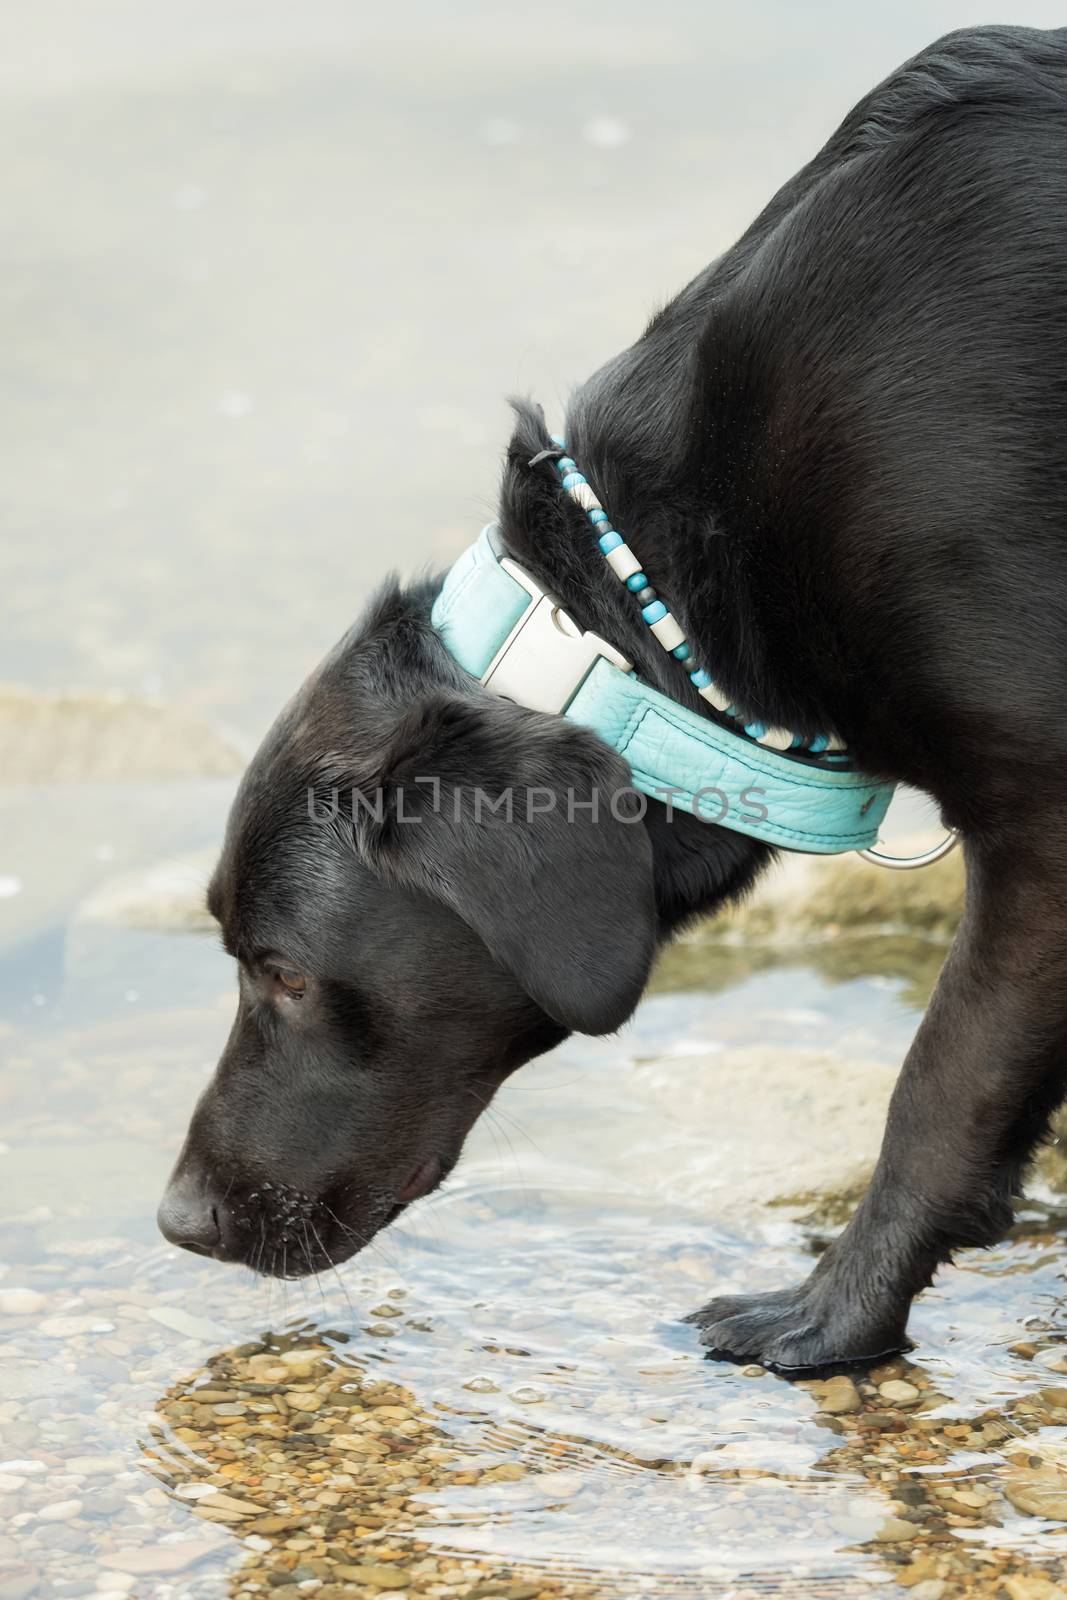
(376, 1577)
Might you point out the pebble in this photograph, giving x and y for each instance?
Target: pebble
(1032, 1587)
(930, 1589)
(158, 1559)
(72, 1327)
(895, 1528)
(59, 1511)
(95, 1466)
(15, 1302)
(899, 1393)
(838, 1397)
(60, 1536)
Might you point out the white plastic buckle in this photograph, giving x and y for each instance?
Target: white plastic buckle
(546, 657)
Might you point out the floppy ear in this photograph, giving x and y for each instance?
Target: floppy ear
(501, 827)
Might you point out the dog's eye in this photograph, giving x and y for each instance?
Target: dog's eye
(294, 983)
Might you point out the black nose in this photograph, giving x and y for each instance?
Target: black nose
(187, 1216)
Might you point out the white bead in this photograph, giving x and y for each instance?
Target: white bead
(668, 632)
(585, 497)
(777, 738)
(836, 744)
(716, 698)
(623, 562)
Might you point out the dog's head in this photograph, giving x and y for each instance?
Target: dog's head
(424, 887)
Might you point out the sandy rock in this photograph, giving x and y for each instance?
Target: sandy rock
(1040, 1492)
(59, 738)
(806, 895)
(167, 897)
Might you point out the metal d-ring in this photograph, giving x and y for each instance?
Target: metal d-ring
(909, 863)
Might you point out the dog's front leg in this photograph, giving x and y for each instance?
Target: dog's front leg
(986, 1069)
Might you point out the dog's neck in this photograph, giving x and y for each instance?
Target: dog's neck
(698, 866)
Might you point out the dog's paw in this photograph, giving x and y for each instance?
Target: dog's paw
(792, 1330)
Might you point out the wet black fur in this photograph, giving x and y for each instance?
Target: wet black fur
(842, 455)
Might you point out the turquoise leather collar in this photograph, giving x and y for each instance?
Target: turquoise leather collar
(506, 631)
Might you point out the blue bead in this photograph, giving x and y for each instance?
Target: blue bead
(818, 744)
(798, 742)
(638, 581)
(755, 730)
(556, 439)
(700, 679)
(565, 465)
(599, 515)
(610, 541)
(680, 652)
(654, 612)
(572, 480)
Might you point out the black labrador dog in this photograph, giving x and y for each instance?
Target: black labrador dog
(842, 454)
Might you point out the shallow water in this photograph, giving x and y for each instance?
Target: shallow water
(556, 1426)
